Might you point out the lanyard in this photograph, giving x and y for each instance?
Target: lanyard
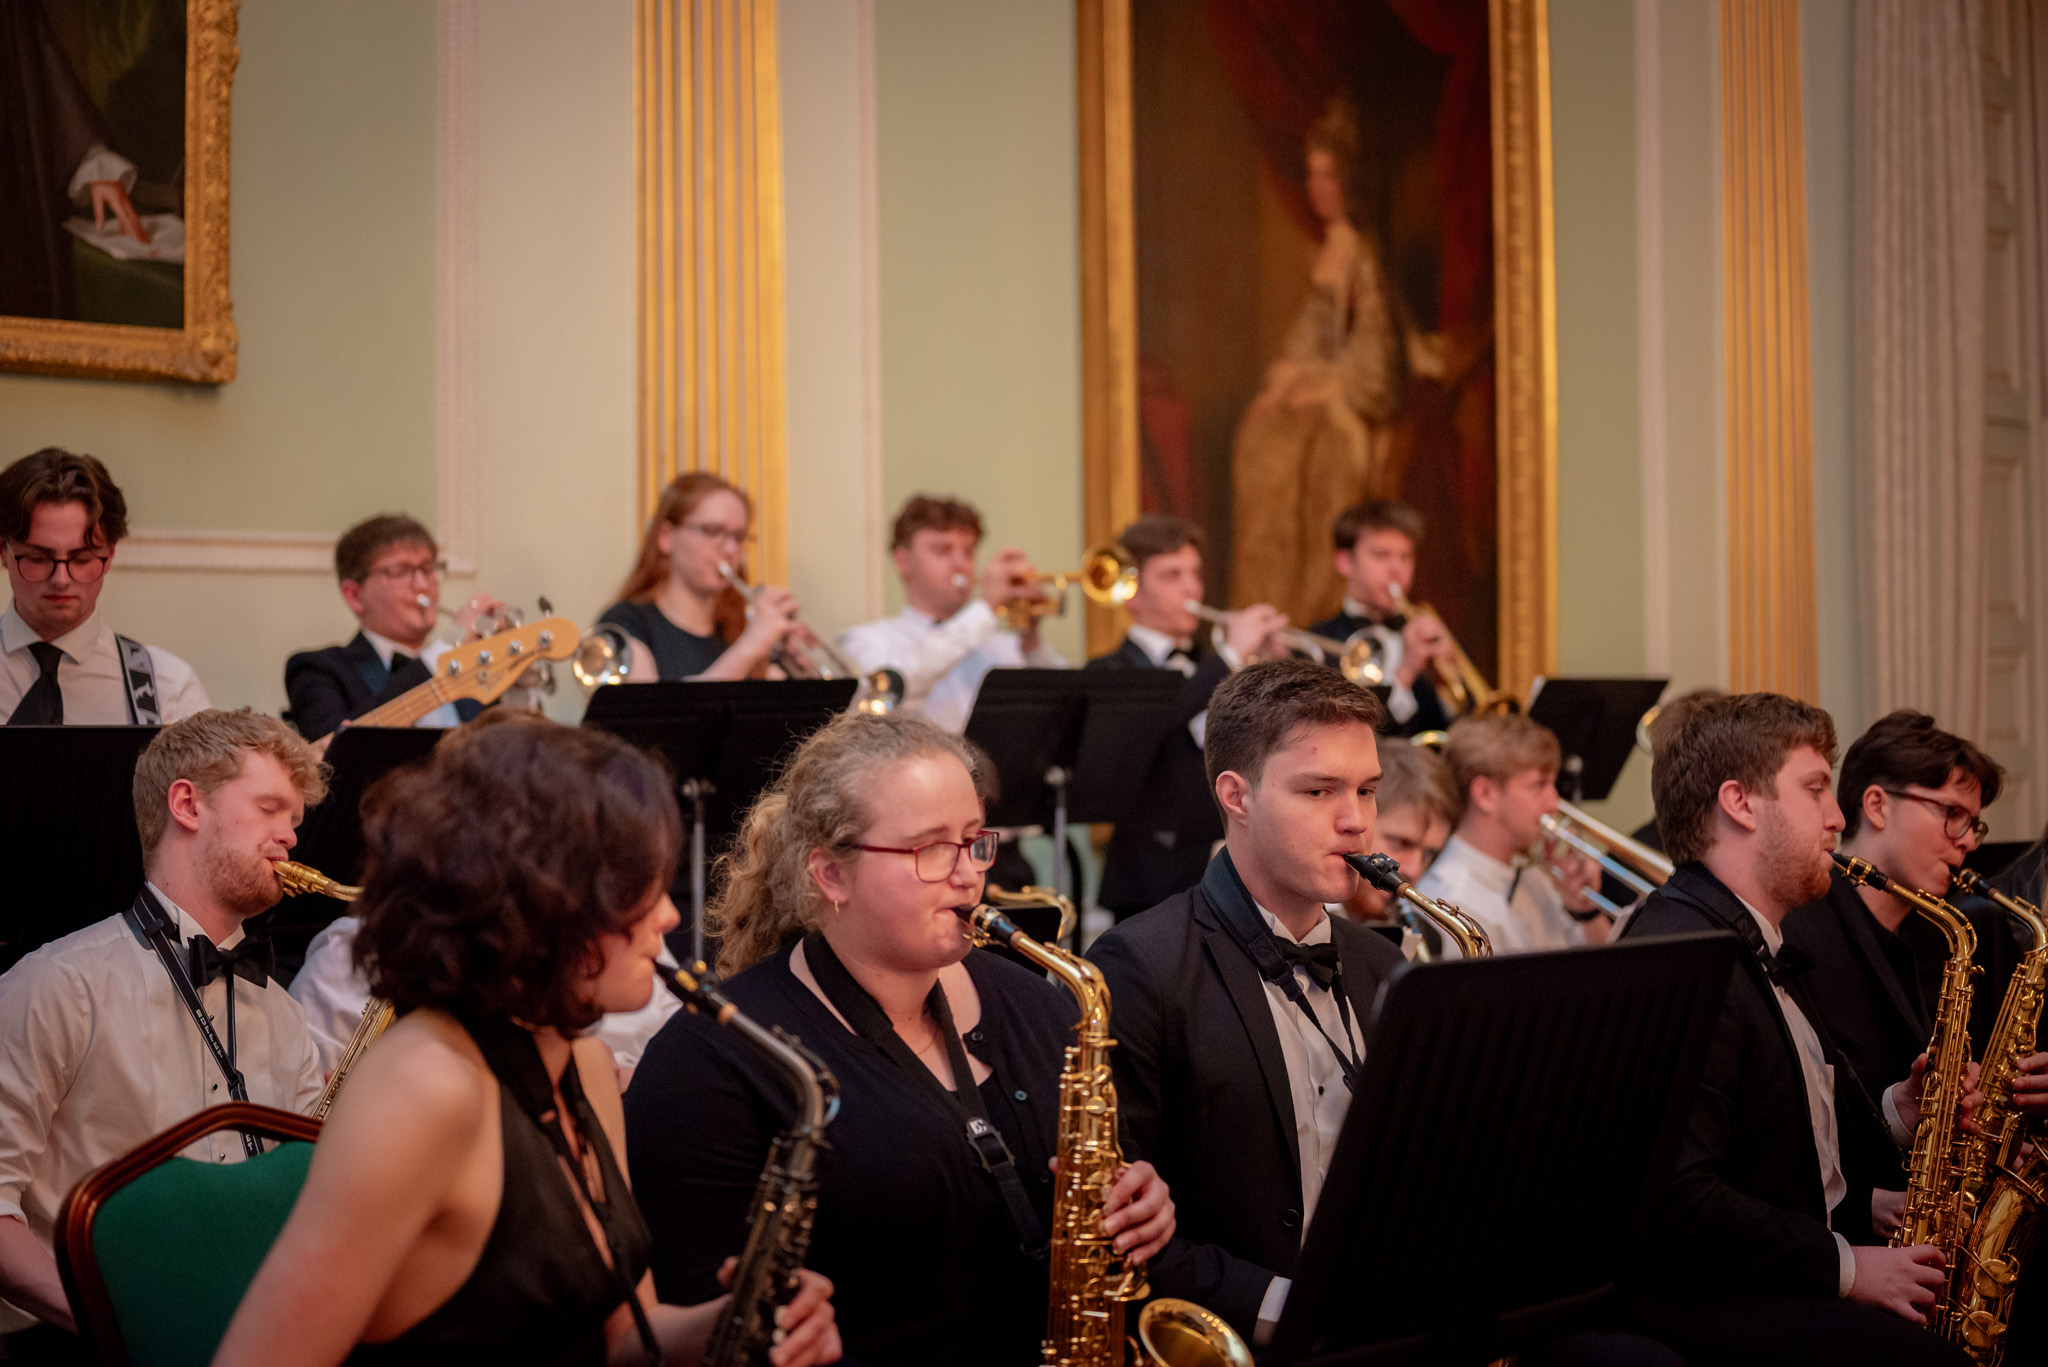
(866, 1016)
(153, 923)
(1235, 908)
(1348, 1063)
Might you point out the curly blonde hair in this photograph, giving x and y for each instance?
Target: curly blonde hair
(822, 800)
(209, 748)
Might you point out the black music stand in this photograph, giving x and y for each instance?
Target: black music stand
(1505, 1153)
(331, 836)
(1594, 721)
(1071, 745)
(723, 742)
(67, 830)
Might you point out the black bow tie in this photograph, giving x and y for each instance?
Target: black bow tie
(253, 959)
(1393, 621)
(1321, 960)
(1181, 653)
(1789, 963)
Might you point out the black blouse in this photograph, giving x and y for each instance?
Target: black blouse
(678, 654)
(911, 1231)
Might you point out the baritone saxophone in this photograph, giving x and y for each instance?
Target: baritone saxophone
(1090, 1283)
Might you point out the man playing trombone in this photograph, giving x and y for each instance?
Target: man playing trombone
(1162, 847)
(947, 637)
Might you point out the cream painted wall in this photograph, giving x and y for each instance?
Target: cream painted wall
(980, 271)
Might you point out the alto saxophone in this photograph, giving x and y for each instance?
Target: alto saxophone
(1382, 872)
(2004, 1173)
(1090, 1283)
(1937, 1208)
(377, 1014)
(785, 1199)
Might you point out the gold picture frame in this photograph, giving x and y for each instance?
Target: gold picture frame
(203, 350)
(1525, 316)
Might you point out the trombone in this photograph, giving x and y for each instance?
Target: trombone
(1108, 575)
(1357, 656)
(1464, 688)
(1633, 864)
(880, 690)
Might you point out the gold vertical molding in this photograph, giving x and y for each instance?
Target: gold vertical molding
(1109, 287)
(1525, 293)
(709, 218)
(1525, 327)
(1773, 613)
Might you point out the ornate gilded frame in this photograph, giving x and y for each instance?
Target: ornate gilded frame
(203, 351)
(1525, 294)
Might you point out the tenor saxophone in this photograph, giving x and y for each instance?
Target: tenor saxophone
(1090, 1282)
(1937, 1207)
(2003, 1174)
(786, 1197)
(377, 1013)
(1382, 872)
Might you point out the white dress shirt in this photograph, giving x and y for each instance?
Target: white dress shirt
(1401, 702)
(1820, 1099)
(943, 663)
(98, 1053)
(1315, 1083)
(333, 994)
(442, 716)
(1534, 919)
(93, 679)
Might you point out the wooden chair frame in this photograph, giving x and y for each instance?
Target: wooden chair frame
(77, 1263)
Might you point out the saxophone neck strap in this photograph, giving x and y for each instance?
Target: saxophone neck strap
(514, 1056)
(984, 1140)
(158, 929)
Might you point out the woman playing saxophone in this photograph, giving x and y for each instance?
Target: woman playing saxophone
(840, 923)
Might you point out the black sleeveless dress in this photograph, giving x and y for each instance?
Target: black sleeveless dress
(540, 1294)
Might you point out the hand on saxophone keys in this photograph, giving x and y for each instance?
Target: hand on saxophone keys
(1137, 1213)
(2030, 1084)
(807, 1328)
(1904, 1096)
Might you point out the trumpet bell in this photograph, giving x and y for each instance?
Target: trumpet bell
(1109, 575)
(1360, 662)
(1178, 1333)
(602, 657)
(880, 693)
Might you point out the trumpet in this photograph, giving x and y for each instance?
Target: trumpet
(1357, 657)
(1108, 575)
(1638, 867)
(880, 690)
(1465, 690)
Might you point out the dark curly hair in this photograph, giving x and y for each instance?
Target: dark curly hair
(493, 869)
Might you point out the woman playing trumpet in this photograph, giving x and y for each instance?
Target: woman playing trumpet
(839, 922)
(679, 605)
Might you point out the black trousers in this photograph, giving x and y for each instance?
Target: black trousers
(1795, 1331)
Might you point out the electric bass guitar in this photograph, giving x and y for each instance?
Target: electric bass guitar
(482, 669)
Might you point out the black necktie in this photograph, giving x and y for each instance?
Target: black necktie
(43, 704)
(252, 960)
(399, 661)
(1321, 960)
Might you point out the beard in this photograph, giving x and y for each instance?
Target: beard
(1795, 869)
(242, 881)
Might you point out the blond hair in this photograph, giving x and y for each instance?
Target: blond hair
(1411, 776)
(820, 801)
(1497, 747)
(207, 749)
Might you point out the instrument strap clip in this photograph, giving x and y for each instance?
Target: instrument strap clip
(988, 1145)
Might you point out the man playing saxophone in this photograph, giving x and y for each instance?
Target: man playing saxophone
(1774, 1172)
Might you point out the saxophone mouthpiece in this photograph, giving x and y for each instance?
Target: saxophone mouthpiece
(1380, 870)
(693, 992)
(987, 922)
(1861, 871)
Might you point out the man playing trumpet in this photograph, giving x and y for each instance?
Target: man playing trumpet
(948, 637)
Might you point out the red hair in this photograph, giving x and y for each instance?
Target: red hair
(683, 496)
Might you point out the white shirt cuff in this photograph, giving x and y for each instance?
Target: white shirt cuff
(1894, 1123)
(1269, 1310)
(1848, 1274)
(1401, 704)
(1230, 656)
(101, 163)
(1198, 727)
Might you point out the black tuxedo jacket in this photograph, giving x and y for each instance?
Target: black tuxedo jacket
(1430, 712)
(1203, 1086)
(1865, 981)
(1745, 1212)
(1162, 847)
(328, 687)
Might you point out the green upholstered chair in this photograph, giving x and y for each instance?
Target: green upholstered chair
(156, 1250)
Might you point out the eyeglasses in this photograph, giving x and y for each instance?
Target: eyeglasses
(36, 567)
(711, 531)
(1956, 821)
(937, 860)
(418, 569)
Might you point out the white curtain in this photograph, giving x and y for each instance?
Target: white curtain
(1920, 261)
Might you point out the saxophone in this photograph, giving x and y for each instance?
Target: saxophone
(1090, 1281)
(2003, 1174)
(1937, 1208)
(785, 1199)
(1382, 872)
(377, 1014)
